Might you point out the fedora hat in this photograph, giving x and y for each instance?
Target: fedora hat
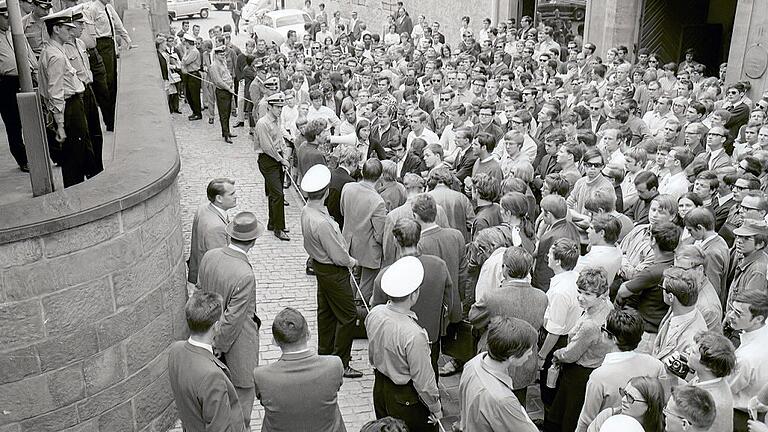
(245, 227)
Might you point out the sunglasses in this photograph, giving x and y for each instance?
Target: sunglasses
(593, 164)
(631, 399)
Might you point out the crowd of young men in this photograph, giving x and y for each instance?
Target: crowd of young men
(596, 224)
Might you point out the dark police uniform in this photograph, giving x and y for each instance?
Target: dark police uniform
(268, 143)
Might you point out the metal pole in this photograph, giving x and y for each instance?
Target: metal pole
(19, 45)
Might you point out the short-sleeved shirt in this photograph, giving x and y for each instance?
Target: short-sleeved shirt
(647, 296)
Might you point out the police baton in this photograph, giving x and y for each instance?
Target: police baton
(351, 276)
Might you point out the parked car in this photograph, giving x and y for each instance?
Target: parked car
(273, 26)
(253, 6)
(188, 8)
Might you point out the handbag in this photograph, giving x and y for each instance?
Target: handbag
(174, 77)
(460, 341)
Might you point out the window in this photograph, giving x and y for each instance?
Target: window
(389, 5)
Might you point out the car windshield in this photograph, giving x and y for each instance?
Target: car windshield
(290, 20)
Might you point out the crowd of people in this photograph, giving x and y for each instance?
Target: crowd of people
(509, 209)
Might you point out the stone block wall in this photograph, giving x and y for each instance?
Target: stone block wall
(87, 314)
(374, 12)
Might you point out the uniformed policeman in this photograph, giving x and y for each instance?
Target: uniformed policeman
(9, 87)
(336, 311)
(34, 28)
(398, 348)
(75, 50)
(268, 144)
(98, 70)
(218, 74)
(191, 63)
(62, 94)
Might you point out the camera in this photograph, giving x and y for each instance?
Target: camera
(677, 363)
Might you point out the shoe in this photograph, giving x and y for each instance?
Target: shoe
(285, 203)
(210, 121)
(24, 167)
(176, 112)
(450, 368)
(239, 124)
(227, 140)
(310, 271)
(349, 372)
(232, 135)
(282, 235)
(194, 117)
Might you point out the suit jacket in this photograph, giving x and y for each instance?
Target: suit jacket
(339, 177)
(542, 274)
(457, 208)
(463, 166)
(393, 193)
(516, 299)
(412, 164)
(364, 213)
(448, 244)
(299, 393)
(679, 338)
(204, 395)
(228, 273)
(720, 160)
(386, 140)
(717, 264)
(208, 232)
(721, 213)
(389, 244)
(436, 297)
(595, 126)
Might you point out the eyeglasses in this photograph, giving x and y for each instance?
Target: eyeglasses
(737, 187)
(732, 92)
(436, 80)
(445, 99)
(744, 208)
(714, 134)
(593, 164)
(631, 399)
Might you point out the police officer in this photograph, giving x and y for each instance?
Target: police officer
(75, 50)
(398, 348)
(98, 70)
(108, 29)
(268, 143)
(9, 87)
(191, 63)
(336, 311)
(62, 94)
(34, 28)
(218, 74)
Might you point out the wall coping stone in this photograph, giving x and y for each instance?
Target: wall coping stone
(146, 160)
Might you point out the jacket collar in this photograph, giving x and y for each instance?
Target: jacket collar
(235, 254)
(207, 354)
(291, 356)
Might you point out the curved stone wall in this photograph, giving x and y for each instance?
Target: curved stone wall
(92, 279)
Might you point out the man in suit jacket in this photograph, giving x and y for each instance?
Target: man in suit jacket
(364, 214)
(458, 208)
(299, 391)
(465, 158)
(227, 272)
(204, 395)
(349, 158)
(715, 156)
(553, 212)
(208, 227)
(681, 294)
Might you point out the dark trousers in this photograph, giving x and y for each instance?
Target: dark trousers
(9, 111)
(336, 311)
(273, 183)
(94, 130)
(401, 402)
(548, 394)
(173, 102)
(77, 153)
(566, 408)
(101, 89)
(192, 90)
(106, 48)
(740, 419)
(224, 105)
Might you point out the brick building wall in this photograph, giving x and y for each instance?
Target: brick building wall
(374, 12)
(87, 314)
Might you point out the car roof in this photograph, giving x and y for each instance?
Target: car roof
(285, 12)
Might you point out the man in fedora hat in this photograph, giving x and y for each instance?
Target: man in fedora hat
(398, 348)
(326, 247)
(268, 143)
(227, 272)
(749, 272)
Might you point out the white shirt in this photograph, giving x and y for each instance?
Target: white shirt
(426, 134)
(676, 185)
(606, 257)
(222, 212)
(751, 372)
(200, 345)
(563, 309)
(656, 121)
